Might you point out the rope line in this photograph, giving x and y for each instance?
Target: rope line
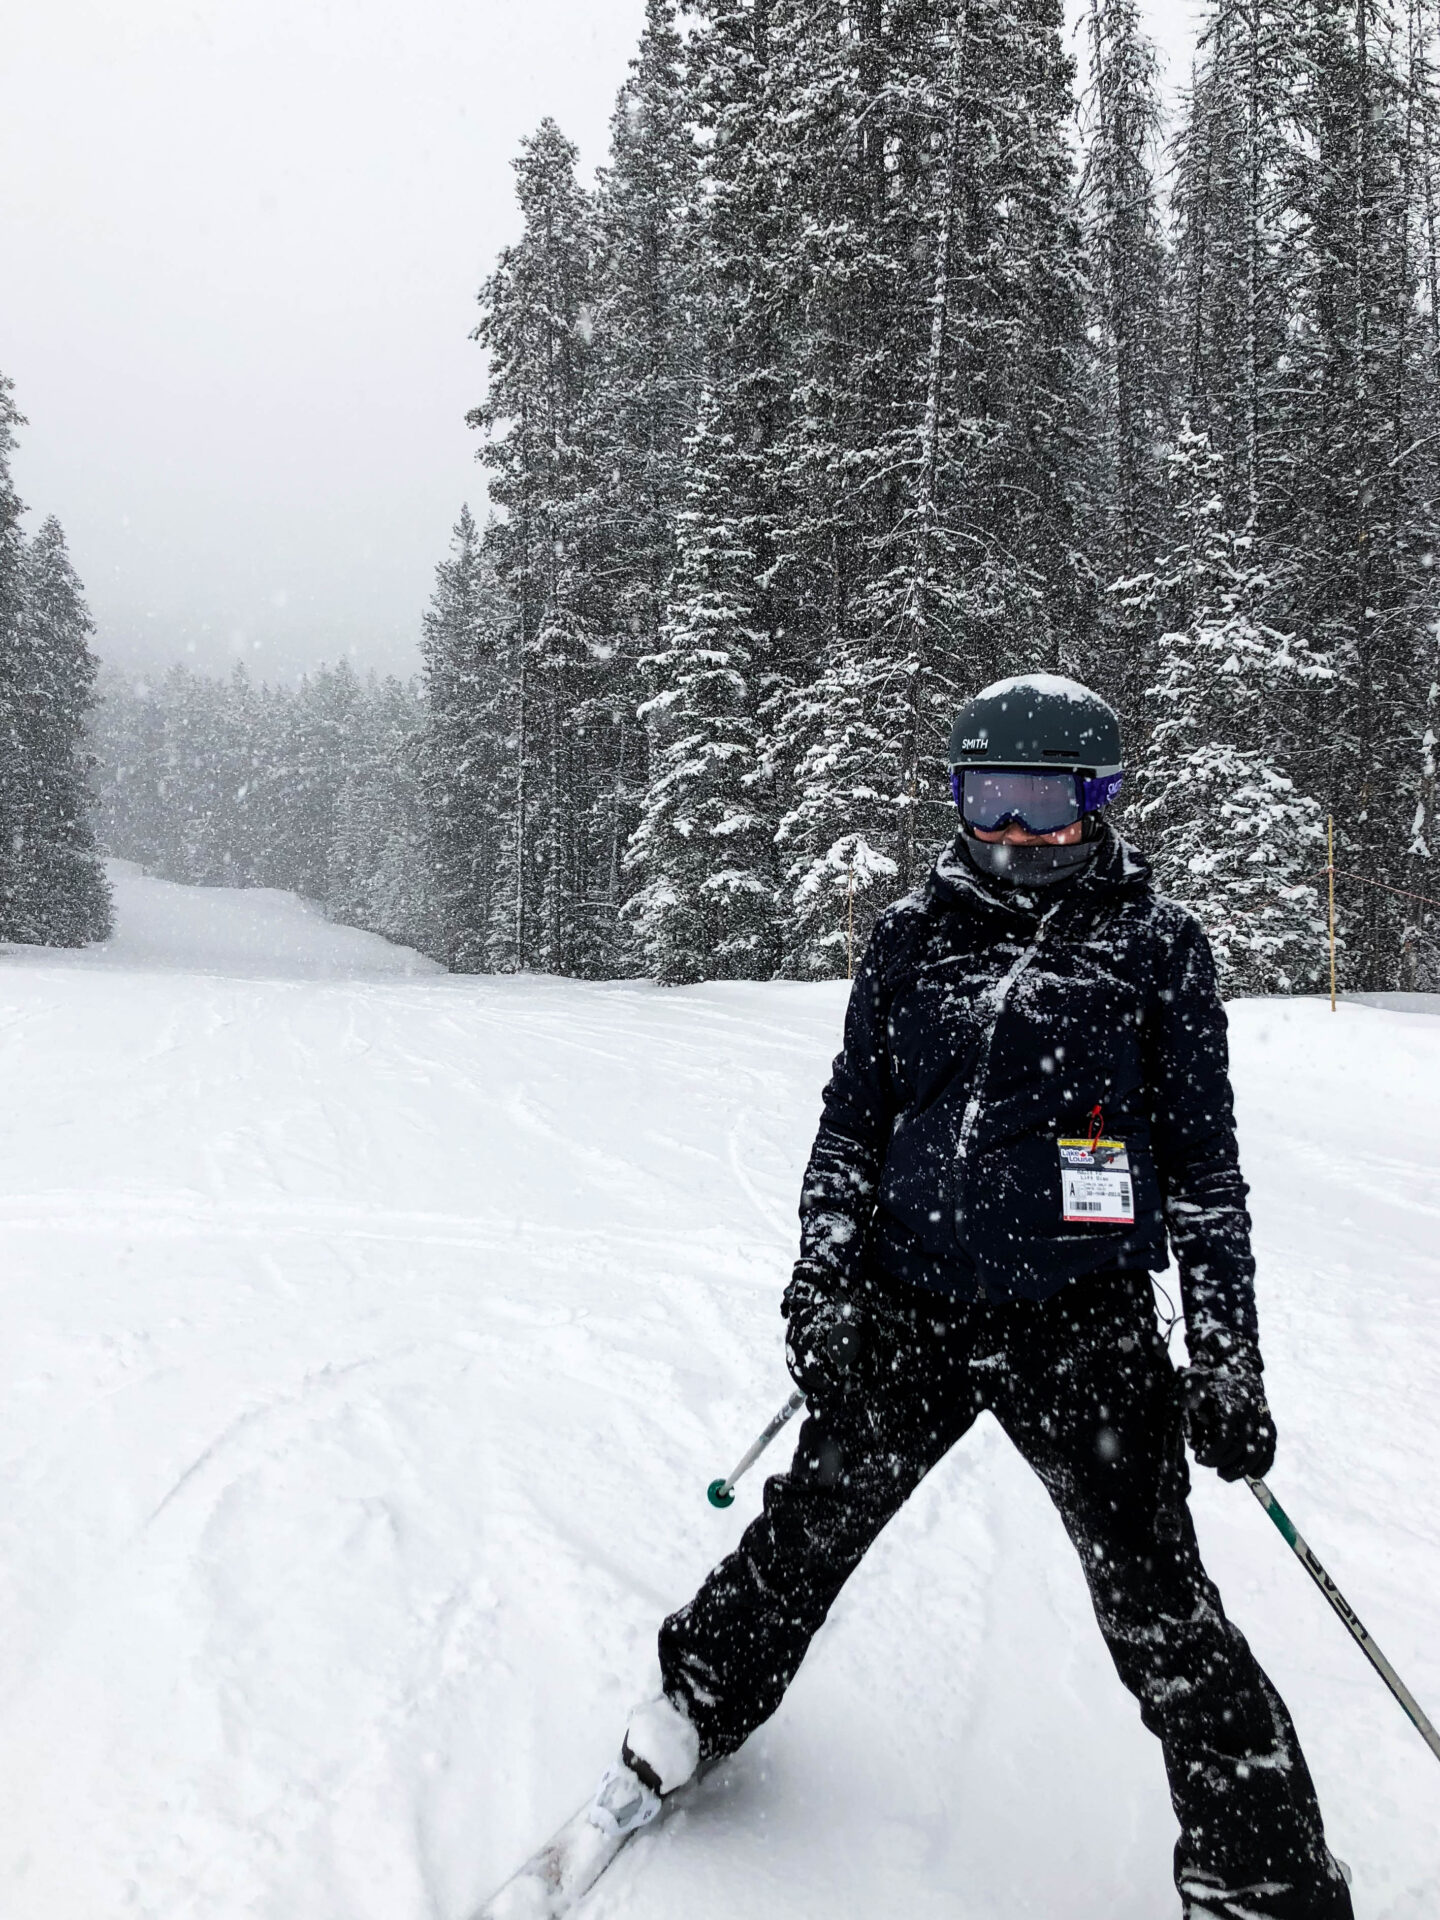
(1404, 892)
(1360, 879)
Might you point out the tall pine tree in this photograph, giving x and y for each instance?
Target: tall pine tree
(936, 284)
(60, 897)
(53, 890)
(12, 670)
(1131, 310)
(702, 853)
(702, 860)
(538, 318)
(1227, 831)
(467, 756)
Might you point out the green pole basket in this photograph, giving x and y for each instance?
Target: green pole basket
(721, 1493)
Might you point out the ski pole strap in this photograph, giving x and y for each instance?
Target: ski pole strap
(720, 1493)
(1291, 1536)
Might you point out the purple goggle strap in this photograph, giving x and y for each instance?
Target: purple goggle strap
(1099, 792)
(1093, 794)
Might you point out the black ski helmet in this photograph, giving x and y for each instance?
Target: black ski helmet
(1037, 720)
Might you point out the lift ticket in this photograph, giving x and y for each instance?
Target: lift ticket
(1095, 1181)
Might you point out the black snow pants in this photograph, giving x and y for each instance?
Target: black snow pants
(1085, 1389)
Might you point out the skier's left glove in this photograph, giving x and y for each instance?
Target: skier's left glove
(1227, 1418)
(824, 1336)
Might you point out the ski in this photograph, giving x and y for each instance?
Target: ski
(559, 1875)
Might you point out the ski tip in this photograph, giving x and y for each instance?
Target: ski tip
(719, 1495)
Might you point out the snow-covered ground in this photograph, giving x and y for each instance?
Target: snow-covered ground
(370, 1338)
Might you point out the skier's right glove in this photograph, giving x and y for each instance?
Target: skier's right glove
(824, 1336)
(1227, 1418)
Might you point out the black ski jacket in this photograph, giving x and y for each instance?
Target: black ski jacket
(982, 1027)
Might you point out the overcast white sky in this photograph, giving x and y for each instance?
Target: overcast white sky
(240, 242)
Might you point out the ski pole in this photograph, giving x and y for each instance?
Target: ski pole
(845, 1344)
(1288, 1533)
(721, 1493)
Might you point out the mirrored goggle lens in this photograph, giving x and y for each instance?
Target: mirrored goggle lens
(1038, 802)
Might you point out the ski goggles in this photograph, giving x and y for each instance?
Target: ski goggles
(994, 797)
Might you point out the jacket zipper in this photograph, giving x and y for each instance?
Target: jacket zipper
(999, 994)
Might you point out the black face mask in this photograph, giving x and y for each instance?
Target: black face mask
(1027, 867)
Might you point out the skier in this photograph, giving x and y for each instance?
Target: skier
(1033, 1089)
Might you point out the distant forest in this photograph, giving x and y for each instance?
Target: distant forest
(888, 355)
(313, 788)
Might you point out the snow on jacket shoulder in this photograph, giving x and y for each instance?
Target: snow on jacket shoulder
(978, 1034)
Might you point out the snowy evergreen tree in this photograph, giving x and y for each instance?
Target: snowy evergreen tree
(575, 927)
(934, 473)
(466, 757)
(1419, 964)
(1129, 274)
(857, 166)
(381, 868)
(1419, 967)
(548, 552)
(314, 744)
(644, 390)
(1131, 312)
(1304, 195)
(52, 888)
(647, 338)
(59, 896)
(1240, 172)
(1366, 493)
(1228, 832)
(702, 853)
(191, 786)
(127, 736)
(702, 859)
(12, 668)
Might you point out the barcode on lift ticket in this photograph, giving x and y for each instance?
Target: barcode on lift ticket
(1099, 1193)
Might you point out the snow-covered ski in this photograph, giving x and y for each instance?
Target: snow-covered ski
(563, 1871)
(559, 1874)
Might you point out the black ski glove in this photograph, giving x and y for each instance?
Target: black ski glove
(1227, 1419)
(824, 1336)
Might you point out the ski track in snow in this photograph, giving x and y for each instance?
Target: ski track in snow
(372, 1336)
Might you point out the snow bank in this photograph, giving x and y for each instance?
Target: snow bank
(371, 1341)
(1397, 1002)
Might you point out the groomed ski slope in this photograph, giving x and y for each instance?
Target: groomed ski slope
(369, 1339)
